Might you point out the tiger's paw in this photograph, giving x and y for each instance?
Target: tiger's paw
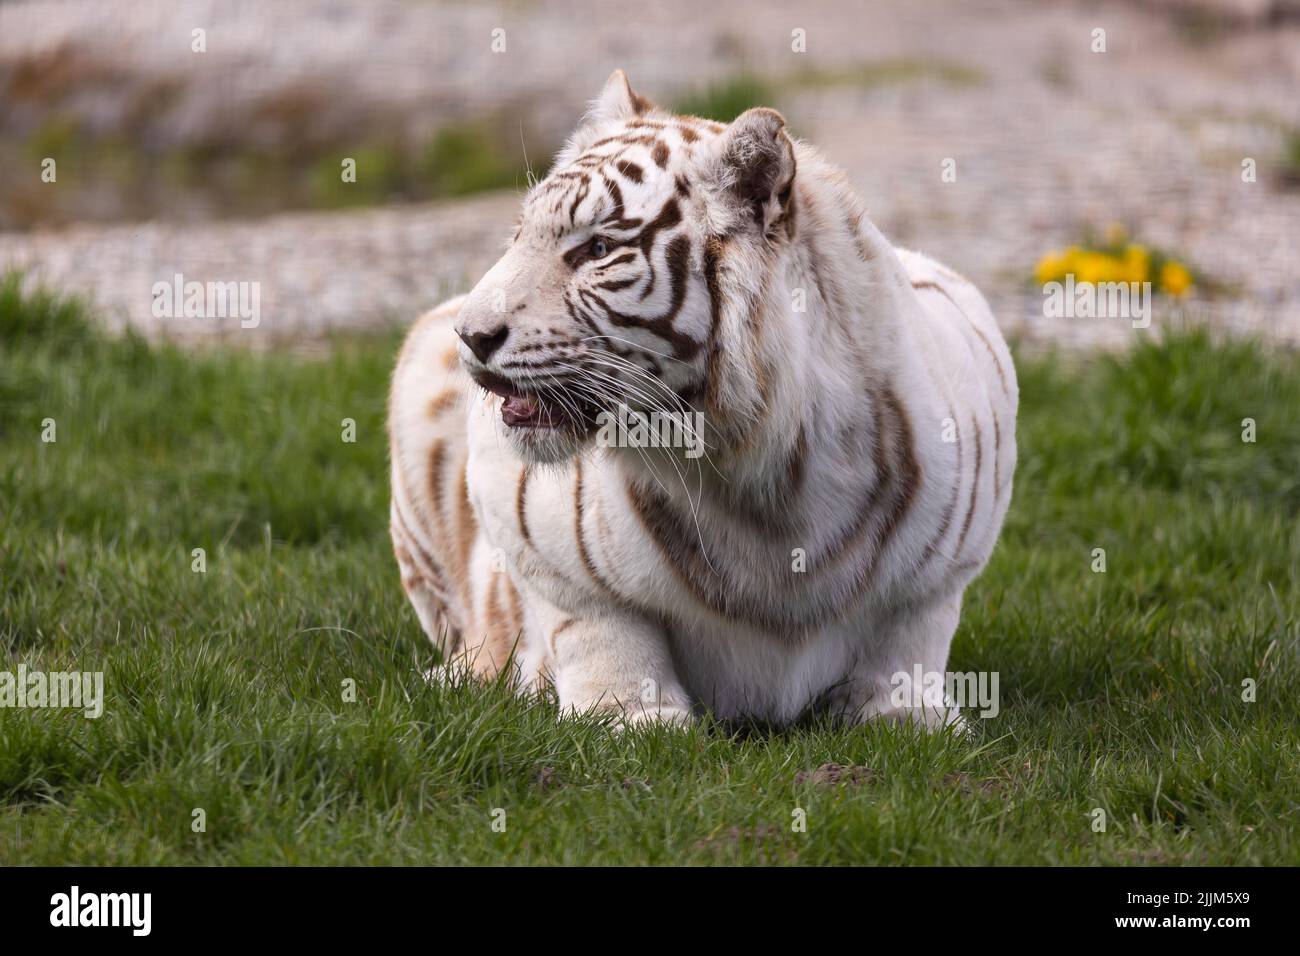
(625, 716)
(665, 716)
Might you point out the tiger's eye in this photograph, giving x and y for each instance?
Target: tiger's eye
(599, 249)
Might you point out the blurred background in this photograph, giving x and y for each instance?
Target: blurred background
(209, 137)
(205, 520)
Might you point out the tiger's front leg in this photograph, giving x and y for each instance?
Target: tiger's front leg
(613, 661)
(881, 684)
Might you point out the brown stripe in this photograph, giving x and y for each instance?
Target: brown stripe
(997, 491)
(771, 510)
(854, 224)
(743, 434)
(950, 508)
(796, 464)
(437, 456)
(906, 483)
(442, 402)
(677, 257)
(997, 431)
(466, 528)
(560, 628)
(580, 536)
(947, 273)
(814, 257)
(847, 540)
(521, 513)
(492, 617)
(521, 510)
(679, 545)
(424, 563)
(909, 479)
(616, 201)
(402, 497)
(743, 440)
(997, 460)
(1002, 376)
(500, 640)
(630, 139)
(584, 187)
(630, 170)
(911, 476)
(683, 554)
(974, 489)
(898, 481)
(714, 249)
(516, 619)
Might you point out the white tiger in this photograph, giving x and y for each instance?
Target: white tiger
(859, 408)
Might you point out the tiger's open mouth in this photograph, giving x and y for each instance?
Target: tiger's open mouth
(553, 407)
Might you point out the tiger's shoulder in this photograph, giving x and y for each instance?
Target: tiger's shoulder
(952, 299)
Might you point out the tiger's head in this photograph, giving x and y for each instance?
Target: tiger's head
(609, 293)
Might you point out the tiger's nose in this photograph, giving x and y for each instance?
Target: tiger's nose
(483, 344)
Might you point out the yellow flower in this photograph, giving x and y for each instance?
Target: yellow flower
(1137, 264)
(1094, 267)
(1051, 266)
(1130, 263)
(1174, 278)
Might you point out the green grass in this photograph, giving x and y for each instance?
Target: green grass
(1290, 161)
(871, 74)
(724, 100)
(114, 176)
(224, 689)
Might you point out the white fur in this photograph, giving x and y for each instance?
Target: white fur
(873, 321)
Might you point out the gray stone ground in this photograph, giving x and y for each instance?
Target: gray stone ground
(1049, 138)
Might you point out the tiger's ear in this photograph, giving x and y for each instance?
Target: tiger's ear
(617, 101)
(755, 166)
